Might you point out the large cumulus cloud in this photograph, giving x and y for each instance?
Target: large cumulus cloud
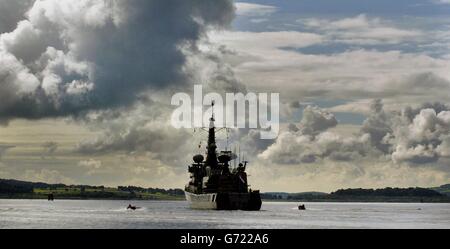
(311, 141)
(67, 57)
(424, 139)
(414, 136)
(377, 125)
(315, 120)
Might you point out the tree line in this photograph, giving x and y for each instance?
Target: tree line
(24, 187)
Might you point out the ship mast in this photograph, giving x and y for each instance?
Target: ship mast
(211, 157)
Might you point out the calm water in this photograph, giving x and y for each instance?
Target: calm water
(175, 214)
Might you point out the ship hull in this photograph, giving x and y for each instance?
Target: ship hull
(225, 201)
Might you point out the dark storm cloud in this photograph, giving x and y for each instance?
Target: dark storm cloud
(209, 68)
(67, 57)
(11, 12)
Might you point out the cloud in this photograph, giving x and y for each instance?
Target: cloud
(138, 130)
(410, 112)
(252, 41)
(47, 176)
(49, 148)
(310, 141)
(424, 139)
(11, 12)
(358, 22)
(360, 30)
(3, 149)
(113, 66)
(296, 148)
(91, 163)
(331, 175)
(290, 108)
(151, 137)
(252, 10)
(250, 141)
(442, 1)
(413, 137)
(377, 125)
(208, 66)
(69, 57)
(272, 61)
(316, 120)
(92, 166)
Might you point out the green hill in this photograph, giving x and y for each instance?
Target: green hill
(444, 189)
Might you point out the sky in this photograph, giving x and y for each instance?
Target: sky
(85, 89)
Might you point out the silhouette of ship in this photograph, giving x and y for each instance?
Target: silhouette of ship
(213, 185)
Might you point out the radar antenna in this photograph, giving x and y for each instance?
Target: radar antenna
(235, 159)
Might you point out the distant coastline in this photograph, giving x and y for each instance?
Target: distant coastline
(15, 189)
(427, 195)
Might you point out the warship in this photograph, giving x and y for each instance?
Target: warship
(213, 185)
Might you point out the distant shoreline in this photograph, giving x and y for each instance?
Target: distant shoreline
(14, 189)
(56, 197)
(359, 201)
(86, 199)
(181, 198)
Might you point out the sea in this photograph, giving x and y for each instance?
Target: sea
(113, 214)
